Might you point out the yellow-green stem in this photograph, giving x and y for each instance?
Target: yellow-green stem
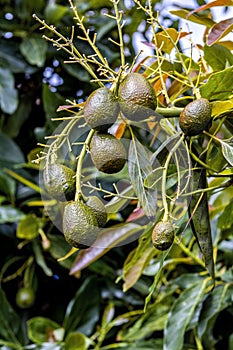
(79, 193)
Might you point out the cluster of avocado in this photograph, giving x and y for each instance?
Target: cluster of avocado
(81, 219)
(135, 99)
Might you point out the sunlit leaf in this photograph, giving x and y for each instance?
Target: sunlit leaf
(219, 30)
(225, 220)
(139, 166)
(220, 107)
(212, 4)
(219, 85)
(193, 18)
(227, 150)
(181, 314)
(167, 39)
(28, 227)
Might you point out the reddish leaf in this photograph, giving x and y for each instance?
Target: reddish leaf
(212, 4)
(219, 30)
(108, 238)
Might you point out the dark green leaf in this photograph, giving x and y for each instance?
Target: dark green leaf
(139, 167)
(180, 316)
(8, 93)
(218, 57)
(51, 102)
(76, 71)
(11, 325)
(40, 260)
(219, 85)
(218, 300)
(34, 49)
(54, 13)
(200, 220)
(41, 329)
(82, 312)
(9, 150)
(7, 185)
(10, 214)
(11, 58)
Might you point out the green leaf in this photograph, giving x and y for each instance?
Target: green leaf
(219, 299)
(28, 227)
(181, 314)
(76, 341)
(200, 220)
(139, 167)
(54, 13)
(193, 18)
(40, 260)
(10, 214)
(34, 49)
(51, 102)
(218, 57)
(108, 238)
(219, 85)
(9, 150)
(225, 220)
(8, 93)
(151, 321)
(7, 185)
(82, 313)
(138, 259)
(227, 151)
(41, 329)
(11, 325)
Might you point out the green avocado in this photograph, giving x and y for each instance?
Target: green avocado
(80, 226)
(163, 235)
(107, 153)
(59, 181)
(101, 109)
(196, 117)
(136, 97)
(98, 209)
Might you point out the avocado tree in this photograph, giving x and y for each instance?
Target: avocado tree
(121, 215)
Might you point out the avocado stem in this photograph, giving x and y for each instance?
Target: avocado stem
(79, 194)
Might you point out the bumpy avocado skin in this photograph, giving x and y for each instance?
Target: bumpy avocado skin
(163, 235)
(101, 109)
(80, 226)
(59, 181)
(196, 117)
(107, 153)
(136, 97)
(98, 209)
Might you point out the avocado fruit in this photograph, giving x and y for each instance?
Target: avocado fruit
(136, 97)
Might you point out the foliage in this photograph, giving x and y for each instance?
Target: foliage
(121, 292)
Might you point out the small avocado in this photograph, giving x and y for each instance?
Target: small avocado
(136, 97)
(101, 109)
(98, 209)
(107, 153)
(196, 117)
(59, 181)
(80, 226)
(163, 235)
